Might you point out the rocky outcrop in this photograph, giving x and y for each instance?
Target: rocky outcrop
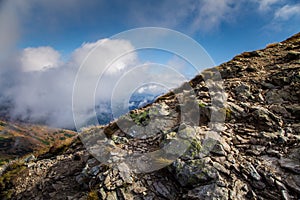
(256, 156)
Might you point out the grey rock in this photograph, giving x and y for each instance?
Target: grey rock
(280, 185)
(139, 190)
(30, 158)
(236, 109)
(95, 170)
(268, 85)
(221, 168)
(243, 91)
(265, 119)
(273, 97)
(292, 55)
(125, 194)
(162, 189)
(219, 150)
(293, 182)
(194, 172)
(209, 192)
(239, 190)
(290, 164)
(256, 149)
(250, 170)
(285, 195)
(81, 179)
(280, 110)
(125, 173)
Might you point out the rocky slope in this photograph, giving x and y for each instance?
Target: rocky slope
(19, 139)
(256, 156)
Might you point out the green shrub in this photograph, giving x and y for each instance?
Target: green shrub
(140, 118)
(62, 138)
(68, 135)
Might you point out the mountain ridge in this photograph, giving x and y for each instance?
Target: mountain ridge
(256, 156)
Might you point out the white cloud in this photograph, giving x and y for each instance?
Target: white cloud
(142, 90)
(210, 14)
(103, 51)
(41, 90)
(198, 16)
(195, 15)
(266, 5)
(151, 89)
(40, 58)
(287, 11)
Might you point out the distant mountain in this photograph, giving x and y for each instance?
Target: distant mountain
(137, 100)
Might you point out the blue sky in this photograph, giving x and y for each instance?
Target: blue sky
(223, 27)
(43, 43)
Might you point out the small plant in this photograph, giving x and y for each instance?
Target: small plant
(62, 138)
(140, 118)
(68, 135)
(228, 113)
(202, 105)
(45, 142)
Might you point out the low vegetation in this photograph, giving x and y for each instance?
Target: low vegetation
(140, 118)
(18, 140)
(8, 177)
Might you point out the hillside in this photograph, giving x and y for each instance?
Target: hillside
(256, 156)
(17, 140)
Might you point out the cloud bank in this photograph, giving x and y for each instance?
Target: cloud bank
(39, 84)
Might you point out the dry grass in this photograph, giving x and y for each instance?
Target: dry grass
(17, 140)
